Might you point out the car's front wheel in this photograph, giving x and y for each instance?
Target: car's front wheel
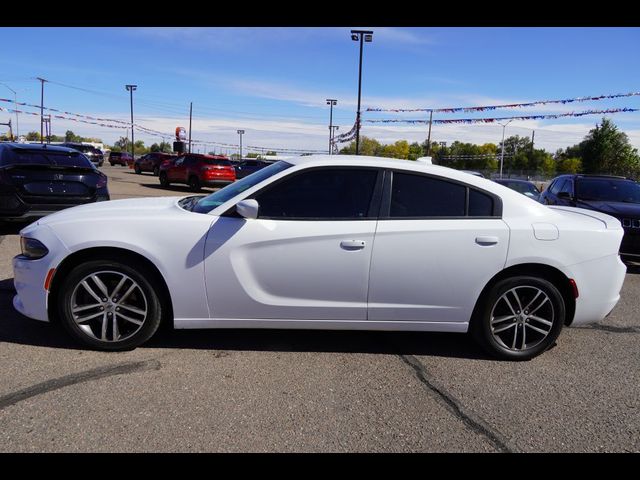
(108, 305)
(136, 168)
(164, 180)
(520, 318)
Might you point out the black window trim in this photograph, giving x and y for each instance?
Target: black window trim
(374, 205)
(385, 208)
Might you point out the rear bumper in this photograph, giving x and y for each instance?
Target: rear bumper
(24, 211)
(599, 283)
(216, 182)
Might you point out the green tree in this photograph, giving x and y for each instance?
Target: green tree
(415, 151)
(569, 165)
(368, 146)
(69, 136)
(33, 136)
(605, 149)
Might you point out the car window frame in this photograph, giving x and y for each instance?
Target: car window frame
(374, 204)
(385, 207)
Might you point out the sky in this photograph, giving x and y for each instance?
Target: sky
(273, 82)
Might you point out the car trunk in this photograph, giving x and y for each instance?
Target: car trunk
(52, 184)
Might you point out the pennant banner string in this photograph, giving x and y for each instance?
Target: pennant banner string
(493, 120)
(510, 105)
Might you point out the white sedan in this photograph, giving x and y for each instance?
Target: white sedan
(326, 242)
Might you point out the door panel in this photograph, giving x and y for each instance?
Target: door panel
(433, 270)
(285, 269)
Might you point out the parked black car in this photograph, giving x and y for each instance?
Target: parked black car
(248, 166)
(615, 196)
(94, 154)
(151, 162)
(524, 187)
(36, 180)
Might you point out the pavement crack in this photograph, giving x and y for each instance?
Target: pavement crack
(75, 378)
(474, 422)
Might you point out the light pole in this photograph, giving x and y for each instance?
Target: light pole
(366, 36)
(130, 89)
(15, 106)
(504, 126)
(331, 102)
(240, 132)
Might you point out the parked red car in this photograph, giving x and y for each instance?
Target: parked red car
(198, 171)
(151, 162)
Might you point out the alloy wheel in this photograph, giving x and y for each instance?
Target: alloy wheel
(109, 306)
(522, 318)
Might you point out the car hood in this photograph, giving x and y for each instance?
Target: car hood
(134, 207)
(612, 208)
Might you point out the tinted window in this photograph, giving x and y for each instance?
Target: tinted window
(557, 185)
(480, 204)
(420, 196)
(336, 193)
(43, 157)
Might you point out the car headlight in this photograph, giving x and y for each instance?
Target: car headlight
(32, 248)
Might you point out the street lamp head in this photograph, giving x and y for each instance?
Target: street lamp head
(240, 132)
(368, 37)
(355, 37)
(131, 87)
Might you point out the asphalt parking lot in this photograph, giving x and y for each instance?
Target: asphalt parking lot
(311, 391)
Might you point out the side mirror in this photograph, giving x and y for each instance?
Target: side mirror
(565, 196)
(248, 208)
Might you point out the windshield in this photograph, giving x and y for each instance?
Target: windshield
(208, 203)
(608, 190)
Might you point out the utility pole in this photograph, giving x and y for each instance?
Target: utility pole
(533, 135)
(15, 106)
(190, 114)
(429, 134)
(47, 122)
(8, 124)
(331, 102)
(130, 89)
(42, 80)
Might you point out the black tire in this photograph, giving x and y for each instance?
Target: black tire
(502, 339)
(112, 164)
(144, 295)
(164, 181)
(156, 171)
(194, 183)
(136, 168)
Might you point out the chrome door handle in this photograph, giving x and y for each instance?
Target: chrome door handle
(352, 244)
(487, 240)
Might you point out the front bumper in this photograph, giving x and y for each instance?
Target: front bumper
(29, 276)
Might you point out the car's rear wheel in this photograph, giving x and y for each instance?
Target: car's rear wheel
(521, 317)
(112, 164)
(164, 180)
(194, 184)
(108, 305)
